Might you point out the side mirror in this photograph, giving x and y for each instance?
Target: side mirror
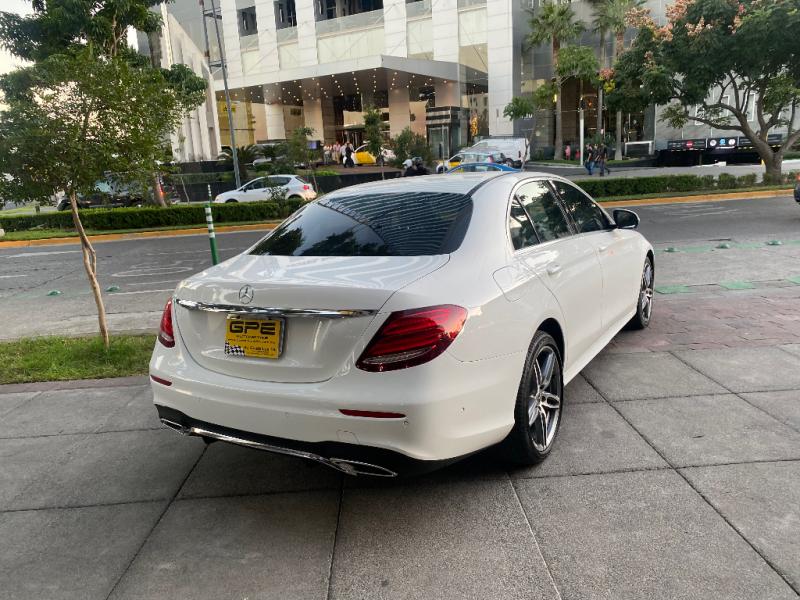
(626, 219)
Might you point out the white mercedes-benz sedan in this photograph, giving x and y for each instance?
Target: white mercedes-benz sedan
(400, 325)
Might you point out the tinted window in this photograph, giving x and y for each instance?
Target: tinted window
(520, 228)
(548, 218)
(255, 185)
(394, 224)
(585, 213)
(279, 180)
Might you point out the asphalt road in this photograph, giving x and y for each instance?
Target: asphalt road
(145, 271)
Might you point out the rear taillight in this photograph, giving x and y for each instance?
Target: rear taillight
(412, 337)
(306, 187)
(166, 334)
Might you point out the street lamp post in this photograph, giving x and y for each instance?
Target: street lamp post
(213, 14)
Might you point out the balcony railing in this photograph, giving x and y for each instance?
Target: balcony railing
(365, 20)
(287, 34)
(418, 9)
(470, 3)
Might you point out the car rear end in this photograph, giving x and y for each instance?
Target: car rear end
(314, 343)
(298, 186)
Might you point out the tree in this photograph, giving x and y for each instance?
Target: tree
(554, 23)
(299, 152)
(373, 135)
(245, 155)
(734, 66)
(87, 106)
(526, 107)
(612, 16)
(408, 144)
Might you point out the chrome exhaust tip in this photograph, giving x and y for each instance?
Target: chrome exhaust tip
(343, 465)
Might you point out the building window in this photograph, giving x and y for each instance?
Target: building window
(247, 21)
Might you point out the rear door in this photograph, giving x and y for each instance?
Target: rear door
(567, 264)
(617, 251)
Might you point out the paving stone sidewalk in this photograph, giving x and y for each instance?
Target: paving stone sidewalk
(676, 475)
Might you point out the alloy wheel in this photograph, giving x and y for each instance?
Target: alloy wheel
(646, 292)
(544, 401)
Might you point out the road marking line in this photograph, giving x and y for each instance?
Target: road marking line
(143, 292)
(10, 276)
(29, 254)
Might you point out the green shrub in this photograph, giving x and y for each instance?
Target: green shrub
(100, 219)
(602, 187)
(748, 180)
(726, 181)
(191, 178)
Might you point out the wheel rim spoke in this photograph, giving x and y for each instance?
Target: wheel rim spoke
(546, 369)
(544, 404)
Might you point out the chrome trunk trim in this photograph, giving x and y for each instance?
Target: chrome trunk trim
(234, 309)
(350, 467)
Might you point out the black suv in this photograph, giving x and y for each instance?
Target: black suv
(109, 194)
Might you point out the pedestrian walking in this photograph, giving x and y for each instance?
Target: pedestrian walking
(602, 157)
(567, 152)
(348, 155)
(337, 152)
(408, 164)
(589, 156)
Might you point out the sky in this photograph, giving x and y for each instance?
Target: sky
(7, 62)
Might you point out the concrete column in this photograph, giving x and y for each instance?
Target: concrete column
(312, 112)
(230, 41)
(399, 111)
(445, 29)
(276, 129)
(502, 75)
(394, 28)
(328, 120)
(306, 32)
(447, 94)
(267, 36)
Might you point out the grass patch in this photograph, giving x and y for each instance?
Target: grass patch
(66, 358)
(41, 234)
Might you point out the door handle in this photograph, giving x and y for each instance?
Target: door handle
(554, 269)
(602, 248)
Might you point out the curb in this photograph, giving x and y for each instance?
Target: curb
(114, 237)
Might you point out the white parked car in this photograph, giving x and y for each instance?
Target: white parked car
(399, 325)
(514, 148)
(260, 189)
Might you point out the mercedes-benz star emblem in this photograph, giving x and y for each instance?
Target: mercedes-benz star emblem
(246, 294)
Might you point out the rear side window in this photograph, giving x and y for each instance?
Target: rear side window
(548, 218)
(520, 227)
(585, 213)
(396, 224)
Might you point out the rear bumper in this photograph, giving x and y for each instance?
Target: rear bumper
(350, 459)
(451, 408)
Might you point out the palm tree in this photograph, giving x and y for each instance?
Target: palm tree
(610, 17)
(554, 23)
(245, 155)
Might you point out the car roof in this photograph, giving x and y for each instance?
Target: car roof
(494, 165)
(455, 183)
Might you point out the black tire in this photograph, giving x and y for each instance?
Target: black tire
(537, 417)
(644, 303)
(229, 200)
(295, 197)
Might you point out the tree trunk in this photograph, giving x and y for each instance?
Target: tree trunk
(600, 89)
(559, 134)
(558, 154)
(90, 264)
(619, 47)
(158, 193)
(773, 163)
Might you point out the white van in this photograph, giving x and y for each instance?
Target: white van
(515, 148)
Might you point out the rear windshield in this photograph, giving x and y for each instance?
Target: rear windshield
(398, 224)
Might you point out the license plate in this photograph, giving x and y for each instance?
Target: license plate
(254, 338)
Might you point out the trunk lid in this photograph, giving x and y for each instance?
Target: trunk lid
(314, 347)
